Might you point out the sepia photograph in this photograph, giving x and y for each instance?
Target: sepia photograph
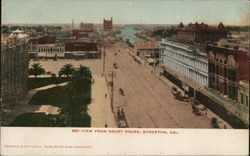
(158, 68)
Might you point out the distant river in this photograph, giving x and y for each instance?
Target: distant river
(129, 33)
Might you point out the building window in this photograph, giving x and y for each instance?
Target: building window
(247, 101)
(225, 72)
(232, 75)
(232, 92)
(241, 98)
(225, 88)
(217, 69)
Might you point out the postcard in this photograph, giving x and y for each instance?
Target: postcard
(126, 77)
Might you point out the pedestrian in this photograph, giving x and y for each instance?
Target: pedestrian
(93, 81)
(122, 113)
(106, 125)
(105, 96)
(118, 113)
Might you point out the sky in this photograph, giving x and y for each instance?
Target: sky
(230, 12)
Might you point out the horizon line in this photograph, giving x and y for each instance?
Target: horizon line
(121, 23)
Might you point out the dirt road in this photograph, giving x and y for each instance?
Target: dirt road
(147, 101)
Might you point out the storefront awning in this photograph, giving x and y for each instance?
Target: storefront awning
(150, 60)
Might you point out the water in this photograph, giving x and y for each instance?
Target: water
(129, 33)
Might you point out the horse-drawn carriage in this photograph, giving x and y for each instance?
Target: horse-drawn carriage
(115, 66)
(214, 123)
(197, 107)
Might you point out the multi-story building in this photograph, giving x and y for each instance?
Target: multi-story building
(88, 27)
(200, 32)
(14, 73)
(108, 24)
(186, 61)
(243, 93)
(227, 66)
(80, 33)
(50, 48)
(82, 50)
(147, 50)
(229, 78)
(47, 39)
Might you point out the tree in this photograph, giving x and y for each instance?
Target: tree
(15, 27)
(36, 69)
(169, 32)
(5, 29)
(39, 28)
(67, 70)
(84, 71)
(74, 111)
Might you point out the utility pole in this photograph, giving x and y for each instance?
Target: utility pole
(73, 24)
(104, 55)
(112, 91)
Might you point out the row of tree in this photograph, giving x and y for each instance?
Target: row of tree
(238, 28)
(7, 29)
(162, 33)
(67, 70)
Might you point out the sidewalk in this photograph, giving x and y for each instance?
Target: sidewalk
(99, 109)
(209, 113)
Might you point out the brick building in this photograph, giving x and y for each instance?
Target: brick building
(81, 46)
(229, 78)
(227, 67)
(47, 39)
(81, 50)
(200, 33)
(80, 33)
(108, 24)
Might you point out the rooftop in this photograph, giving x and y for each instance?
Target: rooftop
(196, 26)
(145, 45)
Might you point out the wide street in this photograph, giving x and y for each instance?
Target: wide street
(147, 101)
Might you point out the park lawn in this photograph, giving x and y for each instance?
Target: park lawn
(41, 81)
(58, 96)
(34, 120)
(55, 96)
